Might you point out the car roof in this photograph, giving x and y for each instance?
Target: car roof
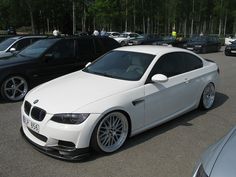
(152, 49)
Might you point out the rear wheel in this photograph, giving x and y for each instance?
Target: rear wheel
(14, 88)
(110, 133)
(208, 96)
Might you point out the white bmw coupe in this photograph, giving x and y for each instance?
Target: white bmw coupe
(126, 91)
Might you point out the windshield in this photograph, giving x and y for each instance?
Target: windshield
(121, 65)
(37, 48)
(6, 43)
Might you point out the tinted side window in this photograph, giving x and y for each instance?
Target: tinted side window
(109, 43)
(191, 62)
(99, 46)
(169, 64)
(63, 49)
(21, 44)
(85, 46)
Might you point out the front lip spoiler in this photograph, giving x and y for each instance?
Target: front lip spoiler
(72, 155)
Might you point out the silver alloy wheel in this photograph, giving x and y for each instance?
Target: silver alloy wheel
(112, 132)
(15, 88)
(208, 96)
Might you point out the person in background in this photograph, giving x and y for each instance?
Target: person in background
(103, 32)
(55, 32)
(96, 33)
(174, 34)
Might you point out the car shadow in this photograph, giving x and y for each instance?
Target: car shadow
(183, 120)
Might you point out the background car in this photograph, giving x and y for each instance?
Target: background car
(203, 44)
(13, 45)
(219, 159)
(124, 92)
(113, 34)
(230, 50)
(229, 40)
(47, 59)
(146, 40)
(125, 37)
(170, 40)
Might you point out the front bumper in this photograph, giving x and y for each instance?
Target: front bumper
(60, 152)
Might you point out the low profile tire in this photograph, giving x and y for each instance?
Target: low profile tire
(14, 88)
(208, 97)
(110, 133)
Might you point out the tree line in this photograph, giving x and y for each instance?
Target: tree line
(186, 17)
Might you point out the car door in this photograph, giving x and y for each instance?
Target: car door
(163, 100)
(58, 60)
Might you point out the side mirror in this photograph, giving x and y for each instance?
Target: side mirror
(159, 78)
(12, 50)
(89, 63)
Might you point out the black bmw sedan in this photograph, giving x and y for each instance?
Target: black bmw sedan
(47, 59)
(203, 44)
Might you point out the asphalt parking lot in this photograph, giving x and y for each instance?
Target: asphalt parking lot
(170, 150)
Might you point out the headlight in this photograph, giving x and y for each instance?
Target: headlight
(198, 46)
(201, 172)
(70, 118)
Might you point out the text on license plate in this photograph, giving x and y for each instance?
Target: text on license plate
(33, 126)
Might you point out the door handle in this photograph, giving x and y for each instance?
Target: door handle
(135, 102)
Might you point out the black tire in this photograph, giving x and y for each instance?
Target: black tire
(106, 139)
(226, 53)
(14, 88)
(207, 97)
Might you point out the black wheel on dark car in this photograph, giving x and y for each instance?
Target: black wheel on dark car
(208, 97)
(14, 88)
(226, 53)
(110, 133)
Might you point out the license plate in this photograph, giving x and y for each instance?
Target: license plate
(190, 48)
(233, 51)
(32, 125)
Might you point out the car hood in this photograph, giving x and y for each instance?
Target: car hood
(225, 163)
(76, 90)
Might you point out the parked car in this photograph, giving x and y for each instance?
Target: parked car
(230, 50)
(203, 44)
(170, 40)
(229, 40)
(15, 44)
(123, 93)
(113, 34)
(219, 159)
(124, 38)
(146, 40)
(47, 59)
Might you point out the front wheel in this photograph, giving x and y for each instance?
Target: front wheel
(14, 88)
(208, 96)
(110, 133)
